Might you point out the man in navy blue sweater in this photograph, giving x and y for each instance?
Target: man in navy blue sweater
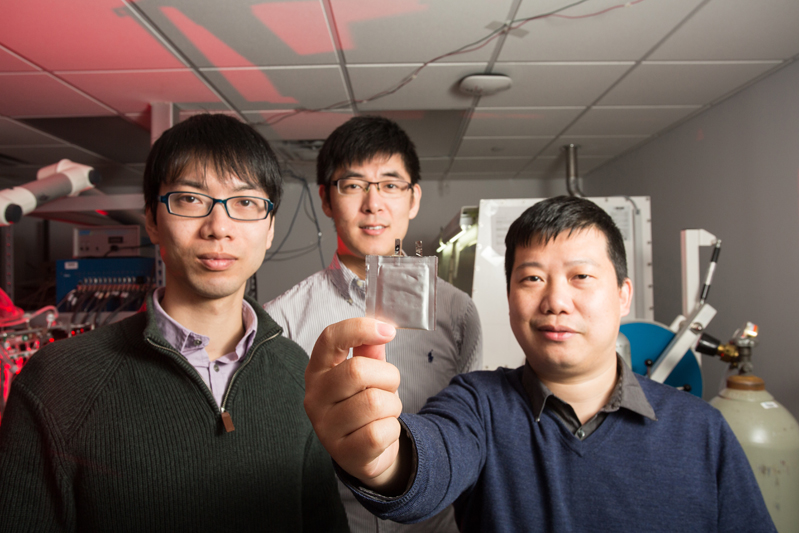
(571, 441)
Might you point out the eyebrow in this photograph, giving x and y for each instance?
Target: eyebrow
(352, 174)
(575, 262)
(188, 182)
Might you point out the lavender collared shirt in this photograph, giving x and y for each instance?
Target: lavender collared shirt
(215, 374)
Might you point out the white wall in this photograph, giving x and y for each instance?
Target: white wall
(734, 171)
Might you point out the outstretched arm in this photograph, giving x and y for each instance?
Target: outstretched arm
(353, 404)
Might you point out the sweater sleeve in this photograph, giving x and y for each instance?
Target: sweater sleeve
(34, 495)
(320, 491)
(741, 506)
(448, 436)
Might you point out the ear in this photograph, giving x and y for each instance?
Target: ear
(323, 195)
(416, 199)
(625, 297)
(150, 226)
(271, 234)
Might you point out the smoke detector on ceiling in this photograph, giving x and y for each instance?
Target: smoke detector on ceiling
(485, 84)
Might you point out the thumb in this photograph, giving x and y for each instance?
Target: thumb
(366, 336)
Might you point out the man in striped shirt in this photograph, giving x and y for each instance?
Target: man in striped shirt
(368, 174)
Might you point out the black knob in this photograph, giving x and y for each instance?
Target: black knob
(13, 213)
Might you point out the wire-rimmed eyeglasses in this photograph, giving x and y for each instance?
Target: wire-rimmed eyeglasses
(197, 205)
(388, 188)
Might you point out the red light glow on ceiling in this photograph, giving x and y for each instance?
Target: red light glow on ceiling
(253, 85)
(301, 25)
(81, 35)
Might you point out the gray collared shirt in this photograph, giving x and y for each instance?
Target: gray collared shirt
(627, 393)
(216, 374)
(427, 360)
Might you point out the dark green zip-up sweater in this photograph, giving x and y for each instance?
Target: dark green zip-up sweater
(114, 430)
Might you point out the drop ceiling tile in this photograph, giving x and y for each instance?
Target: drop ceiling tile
(436, 86)
(520, 121)
(10, 62)
(619, 34)
(47, 155)
(111, 137)
(489, 164)
(606, 146)
(237, 33)
(433, 132)
(17, 133)
(502, 146)
(555, 84)
(280, 88)
(680, 83)
(434, 165)
(415, 30)
(100, 34)
(40, 94)
(628, 120)
(735, 30)
(132, 91)
(275, 125)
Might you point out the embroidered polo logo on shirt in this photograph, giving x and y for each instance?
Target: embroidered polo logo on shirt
(430, 357)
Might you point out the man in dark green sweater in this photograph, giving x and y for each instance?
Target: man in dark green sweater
(189, 416)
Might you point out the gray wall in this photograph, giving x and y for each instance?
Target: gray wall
(734, 171)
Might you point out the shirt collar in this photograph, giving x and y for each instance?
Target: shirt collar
(188, 342)
(629, 395)
(348, 284)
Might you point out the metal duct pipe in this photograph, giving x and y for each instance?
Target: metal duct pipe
(572, 180)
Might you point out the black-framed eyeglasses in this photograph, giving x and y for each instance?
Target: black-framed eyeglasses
(356, 186)
(197, 205)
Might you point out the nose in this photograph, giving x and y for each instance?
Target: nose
(372, 201)
(557, 298)
(218, 224)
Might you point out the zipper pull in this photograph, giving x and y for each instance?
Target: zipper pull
(227, 421)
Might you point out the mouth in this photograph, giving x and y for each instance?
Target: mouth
(556, 333)
(374, 229)
(217, 262)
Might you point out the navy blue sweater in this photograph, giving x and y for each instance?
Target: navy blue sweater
(478, 445)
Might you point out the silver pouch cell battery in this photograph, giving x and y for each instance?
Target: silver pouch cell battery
(401, 290)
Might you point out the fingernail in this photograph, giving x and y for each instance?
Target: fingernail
(385, 330)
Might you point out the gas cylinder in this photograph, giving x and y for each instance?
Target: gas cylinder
(769, 435)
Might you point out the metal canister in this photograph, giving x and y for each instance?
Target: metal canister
(769, 435)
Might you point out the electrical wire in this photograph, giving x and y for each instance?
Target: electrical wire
(26, 319)
(291, 226)
(305, 193)
(468, 48)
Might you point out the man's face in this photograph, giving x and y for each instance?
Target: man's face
(367, 224)
(210, 257)
(566, 305)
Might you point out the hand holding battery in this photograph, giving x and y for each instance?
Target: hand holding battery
(352, 403)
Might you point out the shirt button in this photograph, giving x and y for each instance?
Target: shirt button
(349, 301)
(216, 369)
(580, 434)
(198, 342)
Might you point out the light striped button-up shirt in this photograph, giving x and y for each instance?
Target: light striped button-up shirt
(427, 360)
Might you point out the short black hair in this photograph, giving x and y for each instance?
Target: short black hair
(360, 140)
(228, 146)
(549, 218)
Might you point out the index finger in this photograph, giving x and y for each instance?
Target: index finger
(333, 345)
